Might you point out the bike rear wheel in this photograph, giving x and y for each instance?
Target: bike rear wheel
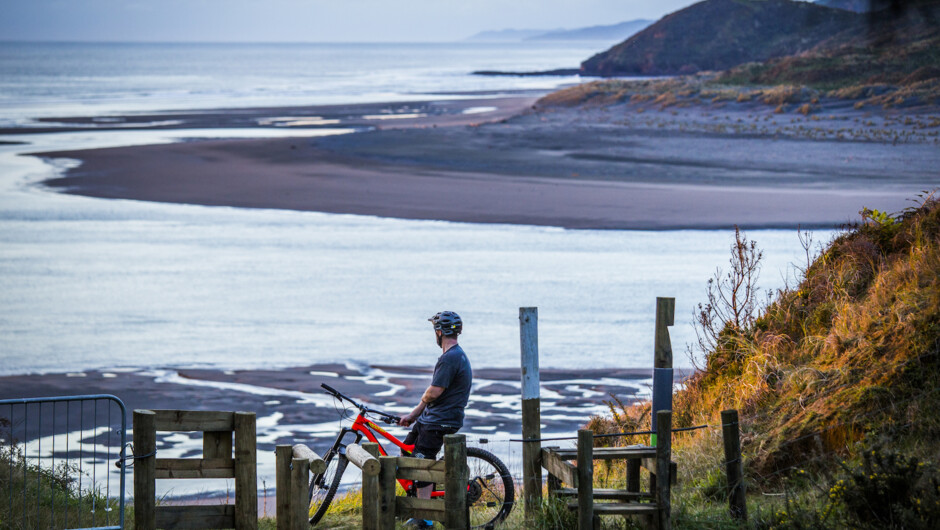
(323, 486)
(490, 491)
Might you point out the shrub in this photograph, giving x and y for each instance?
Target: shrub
(888, 490)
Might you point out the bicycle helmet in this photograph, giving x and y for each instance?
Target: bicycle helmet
(448, 322)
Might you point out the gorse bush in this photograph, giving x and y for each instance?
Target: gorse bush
(888, 490)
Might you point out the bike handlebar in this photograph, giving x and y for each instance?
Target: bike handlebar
(386, 417)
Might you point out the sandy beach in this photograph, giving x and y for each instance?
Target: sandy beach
(505, 161)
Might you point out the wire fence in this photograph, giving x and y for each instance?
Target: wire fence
(57, 459)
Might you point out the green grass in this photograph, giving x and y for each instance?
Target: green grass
(43, 496)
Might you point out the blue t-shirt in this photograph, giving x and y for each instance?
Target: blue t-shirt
(454, 375)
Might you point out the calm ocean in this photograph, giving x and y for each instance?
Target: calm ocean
(66, 79)
(99, 284)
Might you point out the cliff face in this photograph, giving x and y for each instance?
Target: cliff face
(720, 34)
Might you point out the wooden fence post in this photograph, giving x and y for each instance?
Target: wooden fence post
(388, 468)
(145, 443)
(299, 474)
(662, 360)
(733, 465)
(282, 488)
(456, 476)
(585, 479)
(370, 492)
(633, 475)
(663, 461)
(246, 472)
(531, 410)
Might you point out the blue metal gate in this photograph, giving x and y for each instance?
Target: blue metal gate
(61, 462)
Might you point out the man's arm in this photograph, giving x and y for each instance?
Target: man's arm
(432, 393)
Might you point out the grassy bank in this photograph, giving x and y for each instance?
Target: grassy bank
(835, 381)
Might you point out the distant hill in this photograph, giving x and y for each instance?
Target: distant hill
(610, 33)
(507, 35)
(613, 32)
(856, 6)
(720, 34)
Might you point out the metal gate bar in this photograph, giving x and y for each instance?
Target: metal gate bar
(67, 493)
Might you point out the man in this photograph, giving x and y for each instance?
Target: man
(440, 411)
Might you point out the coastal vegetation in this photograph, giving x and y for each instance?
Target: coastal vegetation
(885, 59)
(834, 379)
(719, 34)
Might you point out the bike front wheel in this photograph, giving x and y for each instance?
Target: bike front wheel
(490, 490)
(323, 486)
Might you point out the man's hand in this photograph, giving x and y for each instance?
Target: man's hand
(432, 393)
(407, 420)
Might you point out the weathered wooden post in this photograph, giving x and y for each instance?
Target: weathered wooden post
(282, 489)
(531, 410)
(145, 445)
(299, 474)
(246, 471)
(456, 476)
(663, 460)
(388, 466)
(633, 475)
(365, 459)
(585, 479)
(734, 467)
(662, 360)
(370, 491)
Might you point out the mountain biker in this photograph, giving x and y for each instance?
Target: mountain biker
(441, 410)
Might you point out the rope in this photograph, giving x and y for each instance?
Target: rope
(119, 462)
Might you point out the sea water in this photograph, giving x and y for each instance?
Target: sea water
(89, 283)
(67, 79)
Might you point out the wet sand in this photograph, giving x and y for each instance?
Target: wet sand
(295, 395)
(500, 161)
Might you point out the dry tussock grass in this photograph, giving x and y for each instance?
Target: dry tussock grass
(853, 349)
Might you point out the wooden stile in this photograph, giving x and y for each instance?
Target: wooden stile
(300, 470)
(317, 465)
(407, 507)
(145, 445)
(663, 460)
(195, 517)
(560, 468)
(387, 506)
(370, 490)
(283, 457)
(194, 420)
(217, 462)
(585, 479)
(421, 469)
(246, 471)
(195, 468)
(456, 476)
(362, 459)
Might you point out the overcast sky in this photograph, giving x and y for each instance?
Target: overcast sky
(306, 20)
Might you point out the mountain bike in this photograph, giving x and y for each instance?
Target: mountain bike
(490, 490)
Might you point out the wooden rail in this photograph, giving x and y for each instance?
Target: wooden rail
(293, 466)
(218, 428)
(653, 504)
(381, 506)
